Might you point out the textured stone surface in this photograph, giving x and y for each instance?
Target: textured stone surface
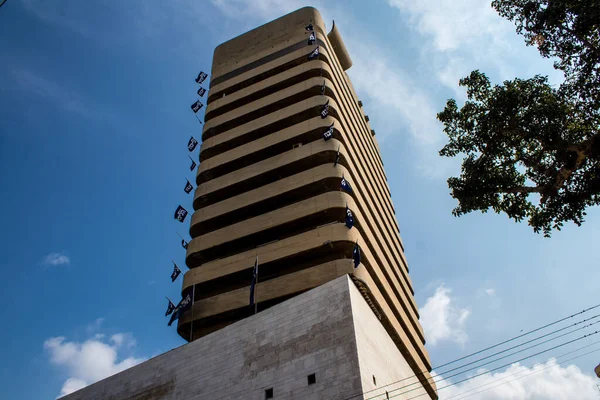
(313, 333)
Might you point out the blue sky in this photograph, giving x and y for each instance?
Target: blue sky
(94, 121)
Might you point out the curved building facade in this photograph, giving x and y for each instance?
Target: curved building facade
(269, 187)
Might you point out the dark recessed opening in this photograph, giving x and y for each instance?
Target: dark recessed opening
(269, 393)
(374, 380)
(312, 379)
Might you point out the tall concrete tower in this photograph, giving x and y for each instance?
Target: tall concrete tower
(269, 186)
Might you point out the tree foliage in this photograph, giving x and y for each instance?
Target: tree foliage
(530, 150)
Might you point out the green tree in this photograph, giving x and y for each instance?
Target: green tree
(530, 150)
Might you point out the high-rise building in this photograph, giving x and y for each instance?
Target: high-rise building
(269, 187)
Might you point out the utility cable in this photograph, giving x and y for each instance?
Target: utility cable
(494, 369)
(491, 347)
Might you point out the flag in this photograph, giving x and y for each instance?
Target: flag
(193, 164)
(196, 106)
(184, 244)
(325, 110)
(188, 187)
(201, 77)
(323, 88)
(176, 272)
(201, 92)
(309, 27)
(253, 283)
(337, 157)
(349, 218)
(314, 53)
(170, 307)
(328, 134)
(192, 143)
(311, 38)
(180, 214)
(356, 255)
(183, 305)
(346, 185)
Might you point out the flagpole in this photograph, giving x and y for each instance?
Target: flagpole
(192, 324)
(198, 119)
(256, 289)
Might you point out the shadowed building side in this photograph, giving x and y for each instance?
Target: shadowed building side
(269, 186)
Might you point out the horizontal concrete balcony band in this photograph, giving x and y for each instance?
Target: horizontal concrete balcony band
(270, 59)
(263, 148)
(266, 125)
(270, 252)
(264, 172)
(283, 222)
(272, 269)
(282, 80)
(266, 105)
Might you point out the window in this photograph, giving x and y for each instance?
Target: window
(374, 380)
(269, 393)
(312, 379)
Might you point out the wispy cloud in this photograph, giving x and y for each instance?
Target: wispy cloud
(55, 259)
(55, 93)
(442, 320)
(89, 361)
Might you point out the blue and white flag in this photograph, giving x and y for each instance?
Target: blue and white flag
(311, 38)
(201, 91)
(325, 110)
(201, 77)
(183, 305)
(196, 106)
(253, 283)
(314, 53)
(192, 143)
(309, 27)
(337, 157)
(328, 134)
(346, 185)
(349, 218)
(184, 244)
(176, 272)
(180, 214)
(323, 86)
(193, 164)
(188, 187)
(356, 255)
(170, 307)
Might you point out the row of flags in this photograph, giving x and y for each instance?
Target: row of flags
(181, 213)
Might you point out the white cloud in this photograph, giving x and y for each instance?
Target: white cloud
(441, 320)
(54, 259)
(467, 35)
(545, 381)
(490, 292)
(89, 361)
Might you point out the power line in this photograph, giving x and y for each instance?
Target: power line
(489, 348)
(495, 354)
(461, 395)
(497, 368)
(519, 336)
